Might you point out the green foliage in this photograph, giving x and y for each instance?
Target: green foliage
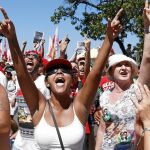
(94, 13)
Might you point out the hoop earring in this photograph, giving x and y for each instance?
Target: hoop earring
(47, 85)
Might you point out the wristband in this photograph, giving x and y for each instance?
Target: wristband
(146, 129)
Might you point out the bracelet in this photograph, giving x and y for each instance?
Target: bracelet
(146, 129)
(142, 134)
(147, 30)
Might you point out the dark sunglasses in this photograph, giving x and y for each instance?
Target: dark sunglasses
(32, 56)
(55, 70)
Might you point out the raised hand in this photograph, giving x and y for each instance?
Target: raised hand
(6, 26)
(147, 14)
(143, 108)
(114, 26)
(24, 43)
(63, 44)
(87, 43)
(42, 41)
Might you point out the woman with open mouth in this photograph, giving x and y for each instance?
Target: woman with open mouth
(68, 116)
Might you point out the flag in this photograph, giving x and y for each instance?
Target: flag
(40, 50)
(56, 39)
(1, 48)
(50, 54)
(49, 49)
(9, 59)
(53, 45)
(5, 50)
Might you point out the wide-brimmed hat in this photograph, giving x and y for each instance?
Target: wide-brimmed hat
(117, 58)
(60, 62)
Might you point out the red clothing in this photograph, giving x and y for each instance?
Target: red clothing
(1, 69)
(106, 84)
(19, 92)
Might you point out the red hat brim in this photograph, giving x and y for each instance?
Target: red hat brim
(58, 63)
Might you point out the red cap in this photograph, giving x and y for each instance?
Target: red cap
(60, 62)
(31, 51)
(34, 52)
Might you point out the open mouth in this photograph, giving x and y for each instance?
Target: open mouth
(29, 66)
(29, 63)
(60, 81)
(123, 73)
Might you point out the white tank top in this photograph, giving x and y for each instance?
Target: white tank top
(72, 135)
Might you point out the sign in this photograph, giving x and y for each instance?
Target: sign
(38, 36)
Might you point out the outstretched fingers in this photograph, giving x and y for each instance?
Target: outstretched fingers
(109, 23)
(119, 13)
(147, 3)
(144, 92)
(4, 13)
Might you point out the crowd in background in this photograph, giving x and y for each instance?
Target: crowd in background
(103, 106)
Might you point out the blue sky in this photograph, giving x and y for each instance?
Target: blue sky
(34, 15)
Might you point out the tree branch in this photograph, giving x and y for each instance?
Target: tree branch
(89, 4)
(120, 43)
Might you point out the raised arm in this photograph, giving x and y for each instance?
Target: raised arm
(41, 48)
(63, 47)
(144, 76)
(86, 95)
(23, 46)
(4, 120)
(143, 111)
(26, 83)
(87, 57)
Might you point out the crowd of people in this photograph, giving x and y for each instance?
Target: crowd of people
(69, 105)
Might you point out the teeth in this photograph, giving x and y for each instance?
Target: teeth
(60, 84)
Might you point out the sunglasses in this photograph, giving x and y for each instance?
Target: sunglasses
(31, 56)
(55, 70)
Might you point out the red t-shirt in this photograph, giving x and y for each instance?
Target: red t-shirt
(106, 84)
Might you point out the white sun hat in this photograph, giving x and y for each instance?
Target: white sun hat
(117, 58)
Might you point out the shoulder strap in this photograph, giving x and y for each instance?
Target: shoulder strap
(56, 126)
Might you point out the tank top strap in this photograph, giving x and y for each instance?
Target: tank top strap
(46, 107)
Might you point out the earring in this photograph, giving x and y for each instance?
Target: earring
(47, 85)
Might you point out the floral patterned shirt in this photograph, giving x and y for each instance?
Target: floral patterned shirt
(121, 128)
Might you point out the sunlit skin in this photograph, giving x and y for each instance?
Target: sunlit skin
(81, 64)
(75, 71)
(60, 82)
(31, 62)
(122, 73)
(63, 106)
(41, 70)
